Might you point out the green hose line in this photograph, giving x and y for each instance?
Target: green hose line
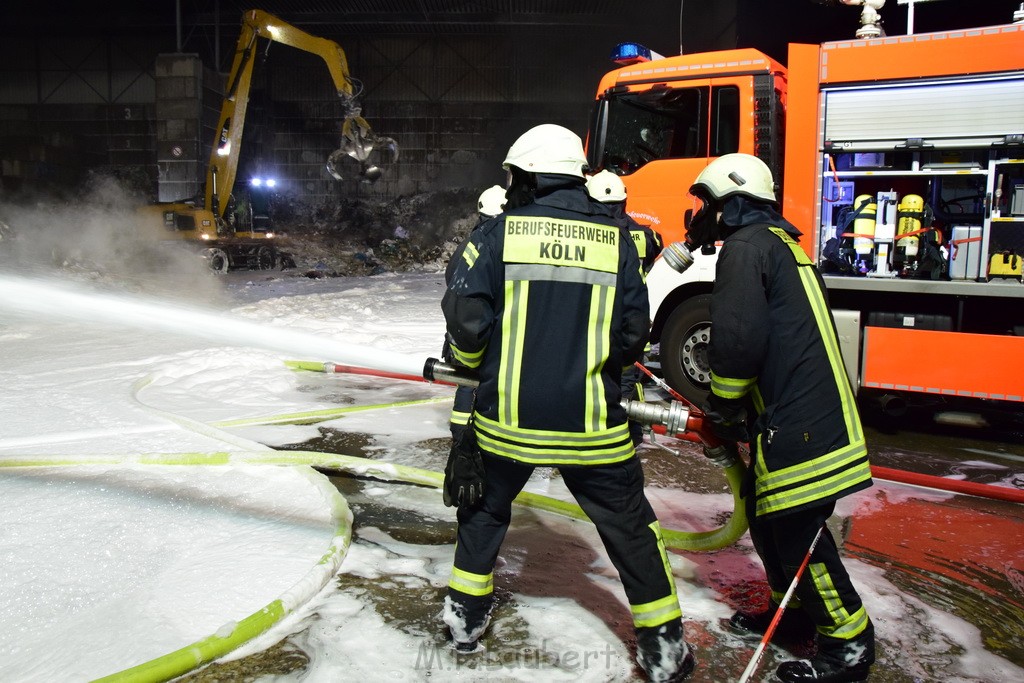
(314, 416)
(693, 541)
(716, 539)
(215, 646)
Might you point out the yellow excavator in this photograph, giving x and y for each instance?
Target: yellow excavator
(223, 239)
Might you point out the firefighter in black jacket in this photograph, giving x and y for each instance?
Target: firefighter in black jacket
(548, 304)
(774, 355)
(608, 188)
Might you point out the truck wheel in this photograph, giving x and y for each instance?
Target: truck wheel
(265, 258)
(684, 348)
(218, 260)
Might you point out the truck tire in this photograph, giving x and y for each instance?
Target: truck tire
(218, 260)
(684, 349)
(265, 258)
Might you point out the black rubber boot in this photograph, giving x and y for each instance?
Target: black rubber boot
(794, 622)
(467, 622)
(837, 661)
(663, 654)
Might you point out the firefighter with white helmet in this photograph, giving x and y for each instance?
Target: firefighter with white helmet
(778, 381)
(548, 304)
(608, 188)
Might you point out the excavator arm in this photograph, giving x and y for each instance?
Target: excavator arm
(358, 140)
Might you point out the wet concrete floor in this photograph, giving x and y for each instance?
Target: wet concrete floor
(941, 553)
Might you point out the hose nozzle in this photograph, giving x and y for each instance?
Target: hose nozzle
(673, 416)
(435, 370)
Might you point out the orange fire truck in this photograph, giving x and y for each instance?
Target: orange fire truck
(901, 159)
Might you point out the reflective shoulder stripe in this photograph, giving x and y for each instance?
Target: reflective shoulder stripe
(561, 242)
(471, 584)
(798, 253)
(728, 387)
(470, 254)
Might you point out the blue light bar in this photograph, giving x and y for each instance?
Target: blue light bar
(625, 54)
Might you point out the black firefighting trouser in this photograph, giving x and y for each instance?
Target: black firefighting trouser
(611, 495)
(825, 591)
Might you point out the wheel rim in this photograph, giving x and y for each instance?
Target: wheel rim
(693, 355)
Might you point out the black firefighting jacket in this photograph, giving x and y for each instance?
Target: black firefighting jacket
(549, 304)
(773, 340)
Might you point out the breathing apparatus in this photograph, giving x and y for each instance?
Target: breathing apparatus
(727, 176)
(913, 219)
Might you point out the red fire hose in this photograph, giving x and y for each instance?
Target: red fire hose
(696, 433)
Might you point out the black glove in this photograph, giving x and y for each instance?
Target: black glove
(464, 474)
(727, 417)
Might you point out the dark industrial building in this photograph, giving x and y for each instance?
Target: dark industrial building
(132, 90)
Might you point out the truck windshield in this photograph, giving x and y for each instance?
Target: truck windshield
(632, 129)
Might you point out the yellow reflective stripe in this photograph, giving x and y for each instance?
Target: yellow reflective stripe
(471, 584)
(798, 253)
(640, 242)
(823, 319)
(826, 590)
(556, 451)
(513, 330)
(656, 613)
(729, 387)
(664, 609)
(458, 417)
(539, 271)
(778, 597)
(470, 360)
(769, 502)
(602, 299)
(561, 242)
(543, 437)
(810, 469)
(758, 400)
(556, 456)
(470, 254)
(851, 627)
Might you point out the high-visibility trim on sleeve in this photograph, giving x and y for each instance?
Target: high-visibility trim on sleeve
(730, 387)
(470, 360)
(470, 254)
(459, 417)
(471, 584)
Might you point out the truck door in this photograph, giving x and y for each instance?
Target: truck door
(659, 136)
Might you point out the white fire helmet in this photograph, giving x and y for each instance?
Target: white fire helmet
(491, 201)
(548, 148)
(605, 186)
(734, 174)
